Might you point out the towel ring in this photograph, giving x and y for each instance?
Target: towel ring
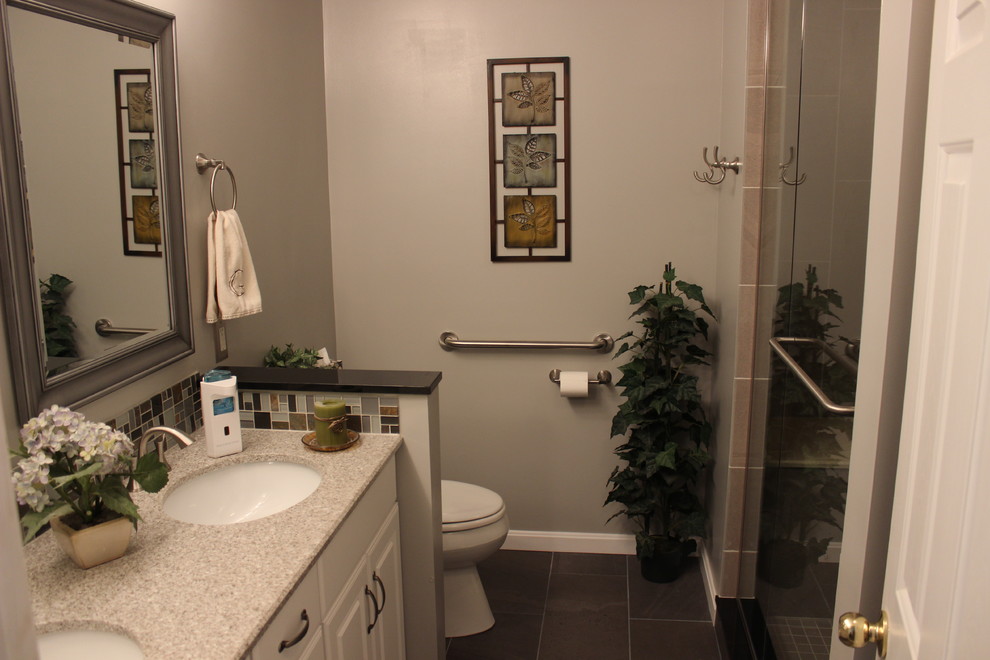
(233, 185)
(202, 164)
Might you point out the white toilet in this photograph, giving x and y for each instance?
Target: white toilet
(474, 527)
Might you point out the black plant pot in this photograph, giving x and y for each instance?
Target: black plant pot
(782, 563)
(666, 564)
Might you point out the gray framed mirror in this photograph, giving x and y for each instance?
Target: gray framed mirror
(89, 126)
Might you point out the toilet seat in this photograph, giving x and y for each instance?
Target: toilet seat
(468, 506)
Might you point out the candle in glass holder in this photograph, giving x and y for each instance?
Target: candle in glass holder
(331, 424)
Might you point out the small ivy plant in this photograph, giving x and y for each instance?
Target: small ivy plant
(59, 326)
(663, 421)
(804, 309)
(802, 503)
(292, 358)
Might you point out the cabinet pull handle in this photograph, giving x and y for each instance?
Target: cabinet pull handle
(378, 612)
(374, 576)
(298, 638)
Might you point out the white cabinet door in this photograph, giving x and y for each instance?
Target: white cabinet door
(387, 635)
(315, 649)
(291, 630)
(346, 627)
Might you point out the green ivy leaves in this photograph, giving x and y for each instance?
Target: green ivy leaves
(665, 428)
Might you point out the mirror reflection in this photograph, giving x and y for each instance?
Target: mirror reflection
(91, 170)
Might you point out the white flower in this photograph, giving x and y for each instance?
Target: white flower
(30, 478)
(60, 435)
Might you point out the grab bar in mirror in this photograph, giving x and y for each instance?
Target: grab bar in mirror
(602, 342)
(104, 328)
(806, 380)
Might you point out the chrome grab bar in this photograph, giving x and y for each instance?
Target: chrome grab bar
(806, 380)
(603, 342)
(104, 328)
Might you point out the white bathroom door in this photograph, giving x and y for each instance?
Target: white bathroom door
(937, 583)
(901, 101)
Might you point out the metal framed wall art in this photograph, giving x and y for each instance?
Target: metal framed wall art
(138, 163)
(529, 158)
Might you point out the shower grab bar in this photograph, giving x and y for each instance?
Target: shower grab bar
(602, 342)
(104, 328)
(604, 377)
(803, 376)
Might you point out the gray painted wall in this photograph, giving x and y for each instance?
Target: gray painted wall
(407, 116)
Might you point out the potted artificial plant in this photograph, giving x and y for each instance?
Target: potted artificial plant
(665, 428)
(73, 474)
(799, 504)
(60, 340)
(297, 358)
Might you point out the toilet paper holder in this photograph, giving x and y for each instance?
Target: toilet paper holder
(604, 377)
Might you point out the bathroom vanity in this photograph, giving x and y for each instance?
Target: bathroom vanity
(321, 579)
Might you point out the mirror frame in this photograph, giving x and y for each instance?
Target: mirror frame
(21, 307)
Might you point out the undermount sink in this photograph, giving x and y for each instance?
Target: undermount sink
(66, 644)
(241, 492)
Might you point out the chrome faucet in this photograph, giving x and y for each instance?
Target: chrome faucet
(161, 444)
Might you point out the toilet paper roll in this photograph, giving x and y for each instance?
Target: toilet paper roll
(574, 384)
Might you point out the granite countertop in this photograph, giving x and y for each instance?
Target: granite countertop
(204, 591)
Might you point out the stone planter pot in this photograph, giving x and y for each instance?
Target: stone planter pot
(92, 546)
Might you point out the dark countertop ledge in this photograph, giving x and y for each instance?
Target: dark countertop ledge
(338, 380)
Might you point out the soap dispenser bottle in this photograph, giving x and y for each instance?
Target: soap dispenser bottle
(221, 419)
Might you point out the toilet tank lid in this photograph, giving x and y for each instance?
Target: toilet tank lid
(463, 502)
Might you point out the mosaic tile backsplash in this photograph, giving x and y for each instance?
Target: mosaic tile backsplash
(293, 411)
(177, 406)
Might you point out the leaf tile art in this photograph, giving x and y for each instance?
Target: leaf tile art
(530, 161)
(529, 99)
(530, 221)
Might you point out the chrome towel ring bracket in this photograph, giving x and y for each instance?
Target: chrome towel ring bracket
(202, 164)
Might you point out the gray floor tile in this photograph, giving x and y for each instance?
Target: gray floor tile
(681, 600)
(573, 606)
(584, 635)
(587, 594)
(672, 640)
(514, 637)
(516, 581)
(587, 617)
(588, 564)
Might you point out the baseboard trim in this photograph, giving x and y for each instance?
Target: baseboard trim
(603, 544)
(708, 577)
(832, 554)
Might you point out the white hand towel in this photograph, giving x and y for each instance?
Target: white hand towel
(232, 286)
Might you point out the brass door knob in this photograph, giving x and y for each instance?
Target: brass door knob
(855, 630)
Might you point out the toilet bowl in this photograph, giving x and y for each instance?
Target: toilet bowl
(474, 527)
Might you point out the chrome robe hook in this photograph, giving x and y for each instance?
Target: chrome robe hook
(722, 164)
(783, 171)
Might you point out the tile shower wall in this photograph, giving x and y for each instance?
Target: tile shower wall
(177, 406)
(293, 411)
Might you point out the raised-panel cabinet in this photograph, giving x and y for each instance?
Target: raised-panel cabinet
(348, 606)
(385, 562)
(294, 626)
(365, 621)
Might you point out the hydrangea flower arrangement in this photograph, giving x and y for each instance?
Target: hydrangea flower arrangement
(72, 467)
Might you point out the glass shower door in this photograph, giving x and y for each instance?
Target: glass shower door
(816, 200)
